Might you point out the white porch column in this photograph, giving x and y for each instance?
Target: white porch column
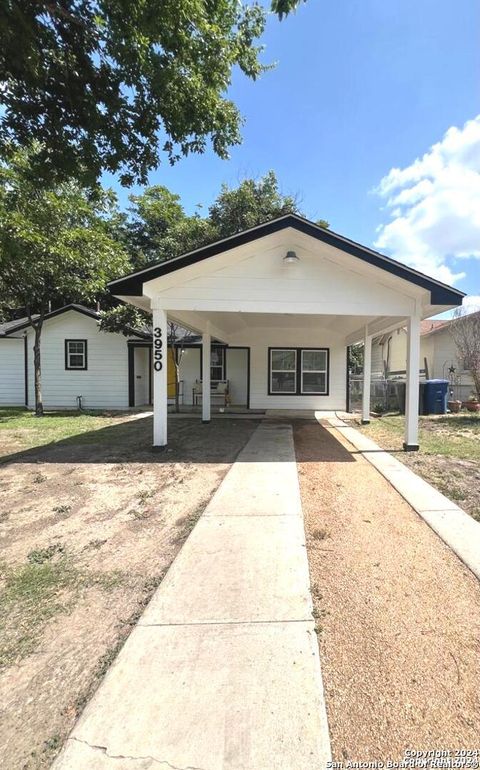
(367, 376)
(159, 363)
(413, 378)
(206, 352)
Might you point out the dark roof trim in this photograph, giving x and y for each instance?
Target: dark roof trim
(78, 309)
(441, 294)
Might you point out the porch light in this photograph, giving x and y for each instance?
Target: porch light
(291, 258)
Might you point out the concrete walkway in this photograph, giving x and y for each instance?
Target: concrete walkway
(222, 671)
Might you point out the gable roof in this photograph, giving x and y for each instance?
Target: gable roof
(132, 285)
(23, 323)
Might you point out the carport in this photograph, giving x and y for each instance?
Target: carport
(297, 296)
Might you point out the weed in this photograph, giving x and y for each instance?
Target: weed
(39, 478)
(41, 555)
(52, 744)
(450, 491)
(63, 509)
(105, 580)
(186, 524)
(319, 533)
(139, 514)
(475, 514)
(315, 591)
(144, 495)
(4, 515)
(96, 543)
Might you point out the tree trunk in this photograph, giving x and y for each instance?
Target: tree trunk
(37, 367)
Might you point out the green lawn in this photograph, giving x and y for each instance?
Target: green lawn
(21, 429)
(456, 436)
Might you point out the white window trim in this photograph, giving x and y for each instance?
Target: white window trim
(314, 371)
(68, 353)
(289, 371)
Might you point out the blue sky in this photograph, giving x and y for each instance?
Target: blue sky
(361, 88)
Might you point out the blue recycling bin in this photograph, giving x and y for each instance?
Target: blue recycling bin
(435, 396)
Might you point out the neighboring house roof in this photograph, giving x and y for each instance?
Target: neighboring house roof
(23, 323)
(430, 326)
(132, 285)
(8, 327)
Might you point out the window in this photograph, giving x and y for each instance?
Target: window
(75, 354)
(283, 370)
(217, 364)
(298, 371)
(314, 371)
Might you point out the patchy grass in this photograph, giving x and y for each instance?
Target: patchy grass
(91, 519)
(36, 592)
(33, 594)
(449, 453)
(456, 436)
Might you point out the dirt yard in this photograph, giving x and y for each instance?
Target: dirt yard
(449, 456)
(398, 615)
(89, 524)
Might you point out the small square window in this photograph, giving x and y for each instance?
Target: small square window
(76, 354)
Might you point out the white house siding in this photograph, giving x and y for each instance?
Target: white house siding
(12, 371)
(104, 385)
(299, 334)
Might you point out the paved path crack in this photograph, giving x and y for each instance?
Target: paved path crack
(104, 750)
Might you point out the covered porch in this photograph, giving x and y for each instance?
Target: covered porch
(296, 296)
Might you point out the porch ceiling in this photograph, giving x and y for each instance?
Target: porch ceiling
(224, 325)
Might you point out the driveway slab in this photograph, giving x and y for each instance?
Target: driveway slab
(256, 708)
(223, 670)
(237, 569)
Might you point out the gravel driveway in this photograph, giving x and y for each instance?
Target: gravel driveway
(398, 614)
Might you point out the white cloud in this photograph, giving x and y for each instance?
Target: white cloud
(434, 206)
(471, 303)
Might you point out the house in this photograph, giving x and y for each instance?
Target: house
(296, 296)
(438, 359)
(81, 365)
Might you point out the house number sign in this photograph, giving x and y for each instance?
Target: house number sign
(157, 349)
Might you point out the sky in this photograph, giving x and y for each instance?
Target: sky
(372, 117)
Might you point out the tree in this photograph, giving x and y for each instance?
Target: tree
(465, 330)
(250, 204)
(158, 227)
(112, 84)
(56, 246)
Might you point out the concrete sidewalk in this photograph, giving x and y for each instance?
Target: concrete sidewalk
(222, 671)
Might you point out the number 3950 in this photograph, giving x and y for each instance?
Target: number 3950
(157, 349)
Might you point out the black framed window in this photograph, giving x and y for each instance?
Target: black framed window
(283, 368)
(298, 371)
(314, 371)
(217, 364)
(76, 354)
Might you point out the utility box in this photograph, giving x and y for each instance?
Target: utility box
(401, 391)
(435, 397)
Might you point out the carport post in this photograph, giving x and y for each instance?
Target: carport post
(367, 375)
(206, 353)
(413, 383)
(159, 363)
